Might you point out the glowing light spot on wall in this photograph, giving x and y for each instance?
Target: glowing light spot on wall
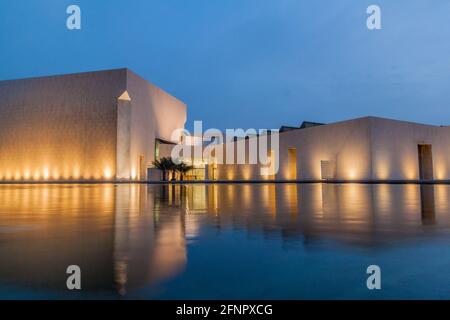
(65, 174)
(26, 174)
(76, 174)
(410, 168)
(247, 195)
(230, 174)
(441, 172)
(36, 175)
(107, 173)
(46, 174)
(410, 173)
(383, 171)
(246, 173)
(55, 175)
(133, 174)
(352, 174)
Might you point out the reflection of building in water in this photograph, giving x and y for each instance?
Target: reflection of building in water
(148, 248)
(51, 227)
(427, 204)
(128, 236)
(353, 213)
(116, 234)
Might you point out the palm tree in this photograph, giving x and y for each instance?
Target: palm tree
(165, 165)
(183, 168)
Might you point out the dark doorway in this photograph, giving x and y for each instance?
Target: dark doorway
(292, 163)
(425, 162)
(141, 168)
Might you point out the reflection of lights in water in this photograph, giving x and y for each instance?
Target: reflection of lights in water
(247, 195)
(198, 197)
(192, 227)
(383, 197)
(411, 192)
(291, 198)
(120, 276)
(269, 198)
(121, 223)
(353, 197)
(213, 197)
(442, 200)
(230, 193)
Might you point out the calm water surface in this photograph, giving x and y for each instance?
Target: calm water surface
(235, 241)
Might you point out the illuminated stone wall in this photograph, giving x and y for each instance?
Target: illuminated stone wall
(154, 114)
(367, 148)
(395, 149)
(68, 127)
(59, 127)
(347, 144)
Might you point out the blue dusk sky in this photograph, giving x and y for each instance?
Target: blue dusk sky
(249, 63)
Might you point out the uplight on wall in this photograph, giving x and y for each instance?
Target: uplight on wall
(46, 174)
(383, 171)
(352, 174)
(76, 173)
(441, 172)
(133, 174)
(26, 175)
(230, 174)
(246, 173)
(107, 174)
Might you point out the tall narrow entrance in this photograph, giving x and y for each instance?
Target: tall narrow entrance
(292, 163)
(425, 162)
(142, 168)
